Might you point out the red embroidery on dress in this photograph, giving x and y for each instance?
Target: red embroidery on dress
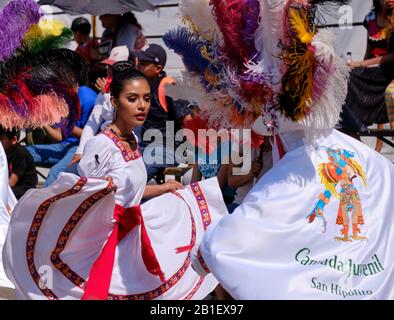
(202, 261)
(66, 233)
(127, 155)
(202, 204)
(33, 233)
(194, 290)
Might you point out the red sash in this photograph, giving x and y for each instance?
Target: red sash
(97, 286)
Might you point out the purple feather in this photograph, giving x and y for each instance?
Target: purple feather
(251, 18)
(16, 19)
(321, 74)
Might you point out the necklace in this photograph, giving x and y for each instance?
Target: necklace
(130, 139)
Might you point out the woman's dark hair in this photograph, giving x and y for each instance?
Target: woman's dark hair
(121, 76)
(130, 18)
(376, 5)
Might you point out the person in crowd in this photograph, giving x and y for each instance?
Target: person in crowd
(63, 150)
(121, 30)
(87, 46)
(21, 167)
(151, 62)
(370, 78)
(245, 180)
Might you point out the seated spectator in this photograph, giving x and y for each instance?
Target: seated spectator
(369, 79)
(87, 47)
(244, 181)
(60, 154)
(22, 171)
(121, 30)
(151, 62)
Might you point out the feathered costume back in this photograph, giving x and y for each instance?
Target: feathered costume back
(245, 58)
(37, 79)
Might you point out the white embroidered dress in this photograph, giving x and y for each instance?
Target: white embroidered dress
(7, 199)
(57, 233)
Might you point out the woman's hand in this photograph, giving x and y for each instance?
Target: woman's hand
(77, 157)
(100, 84)
(171, 185)
(111, 182)
(353, 65)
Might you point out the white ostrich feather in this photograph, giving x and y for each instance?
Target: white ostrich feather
(188, 87)
(268, 36)
(200, 13)
(326, 108)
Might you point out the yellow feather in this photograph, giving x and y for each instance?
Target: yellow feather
(299, 24)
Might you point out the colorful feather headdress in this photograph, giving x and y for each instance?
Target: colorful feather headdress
(314, 85)
(246, 58)
(216, 44)
(37, 79)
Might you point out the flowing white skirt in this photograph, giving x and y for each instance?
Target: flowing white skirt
(57, 233)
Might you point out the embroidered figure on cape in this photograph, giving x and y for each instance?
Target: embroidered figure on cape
(340, 171)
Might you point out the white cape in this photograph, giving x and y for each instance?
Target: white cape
(267, 249)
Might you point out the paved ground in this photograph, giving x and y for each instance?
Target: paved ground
(7, 294)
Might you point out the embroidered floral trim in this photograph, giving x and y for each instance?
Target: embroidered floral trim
(202, 204)
(127, 155)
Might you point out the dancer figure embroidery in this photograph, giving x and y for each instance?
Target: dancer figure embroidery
(341, 170)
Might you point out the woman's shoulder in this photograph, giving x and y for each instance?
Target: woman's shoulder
(100, 143)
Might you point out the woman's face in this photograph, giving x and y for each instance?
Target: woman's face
(133, 103)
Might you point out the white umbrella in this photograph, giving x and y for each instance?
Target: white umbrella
(99, 7)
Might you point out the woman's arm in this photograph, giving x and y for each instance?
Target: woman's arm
(222, 175)
(236, 181)
(77, 132)
(196, 174)
(54, 134)
(13, 180)
(155, 190)
(366, 63)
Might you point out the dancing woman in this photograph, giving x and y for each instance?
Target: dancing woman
(93, 228)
